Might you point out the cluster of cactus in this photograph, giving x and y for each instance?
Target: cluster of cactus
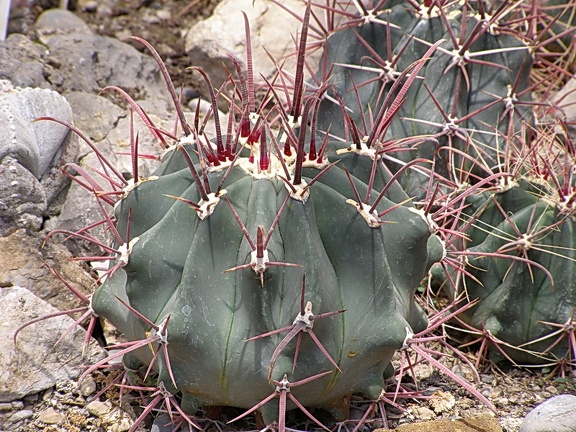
(469, 119)
(275, 266)
(470, 94)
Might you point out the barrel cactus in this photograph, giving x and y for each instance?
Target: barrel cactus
(519, 259)
(262, 263)
(232, 267)
(474, 88)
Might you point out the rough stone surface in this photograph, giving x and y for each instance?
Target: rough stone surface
(58, 22)
(24, 261)
(565, 99)
(147, 145)
(162, 423)
(91, 62)
(79, 211)
(113, 419)
(98, 408)
(50, 416)
(35, 363)
(209, 42)
(557, 414)
(24, 62)
(20, 415)
(94, 115)
(34, 143)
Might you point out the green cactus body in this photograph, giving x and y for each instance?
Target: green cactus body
(179, 264)
(470, 95)
(516, 297)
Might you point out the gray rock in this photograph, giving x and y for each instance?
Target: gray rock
(24, 260)
(208, 44)
(162, 423)
(91, 62)
(34, 143)
(80, 210)
(565, 99)
(94, 115)
(58, 22)
(35, 363)
(20, 415)
(557, 414)
(87, 386)
(23, 62)
(17, 405)
(147, 144)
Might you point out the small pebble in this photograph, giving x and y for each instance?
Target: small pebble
(116, 420)
(5, 406)
(423, 413)
(17, 405)
(557, 414)
(90, 6)
(487, 391)
(50, 416)
(150, 19)
(47, 395)
(552, 390)
(87, 386)
(442, 401)
(162, 423)
(164, 14)
(98, 409)
(486, 379)
(20, 415)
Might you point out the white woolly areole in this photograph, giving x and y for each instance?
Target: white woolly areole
(408, 338)
(206, 207)
(313, 163)
(125, 250)
(371, 219)
(364, 150)
(300, 192)
(259, 264)
(162, 331)
(306, 318)
(132, 184)
(432, 225)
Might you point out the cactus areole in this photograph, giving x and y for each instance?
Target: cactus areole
(228, 265)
